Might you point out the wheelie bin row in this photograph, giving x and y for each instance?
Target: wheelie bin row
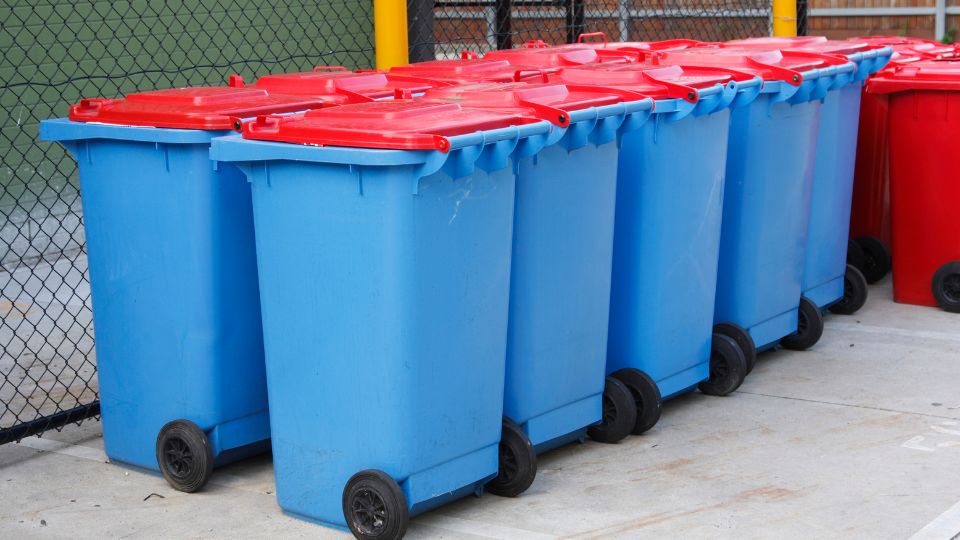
(542, 244)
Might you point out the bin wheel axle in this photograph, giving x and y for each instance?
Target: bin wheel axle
(854, 292)
(876, 258)
(375, 507)
(728, 367)
(619, 413)
(743, 339)
(646, 397)
(517, 462)
(184, 455)
(809, 327)
(946, 287)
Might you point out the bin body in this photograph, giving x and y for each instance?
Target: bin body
(668, 220)
(562, 254)
(669, 202)
(173, 280)
(394, 359)
(766, 208)
(924, 118)
(870, 211)
(833, 176)
(870, 205)
(832, 191)
(768, 185)
(173, 274)
(560, 284)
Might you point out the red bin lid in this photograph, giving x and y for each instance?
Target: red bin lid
(907, 49)
(548, 101)
(469, 68)
(337, 85)
(540, 55)
(626, 50)
(657, 82)
(818, 44)
(770, 64)
(401, 124)
(921, 75)
(201, 107)
(776, 42)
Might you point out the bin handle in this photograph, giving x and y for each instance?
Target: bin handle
(789, 76)
(536, 44)
(518, 74)
(328, 68)
(593, 35)
(558, 117)
(89, 107)
(469, 55)
(264, 124)
(674, 90)
(402, 93)
(235, 81)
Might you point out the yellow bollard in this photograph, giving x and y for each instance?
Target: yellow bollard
(784, 17)
(390, 32)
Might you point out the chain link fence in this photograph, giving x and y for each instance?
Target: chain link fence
(54, 53)
(445, 28)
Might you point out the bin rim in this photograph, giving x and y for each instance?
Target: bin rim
(911, 77)
(64, 130)
(233, 147)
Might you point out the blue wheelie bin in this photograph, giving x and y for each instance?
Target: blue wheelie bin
(555, 385)
(828, 281)
(667, 236)
(384, 238)
(173, 276)
(767, 195)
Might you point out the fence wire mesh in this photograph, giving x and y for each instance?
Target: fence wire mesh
(55, 53)
(445, 28)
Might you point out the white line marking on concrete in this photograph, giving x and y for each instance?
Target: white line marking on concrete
(885, 330)
(66, 449)
(479, 528)
(945, 527)
(914, 444)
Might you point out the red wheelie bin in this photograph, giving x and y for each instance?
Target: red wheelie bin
(924, 126)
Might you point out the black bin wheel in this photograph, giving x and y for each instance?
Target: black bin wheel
(876, 263)
(855, 255)
(946, 286)
(743, 338)
(184, 455)
(518, 462)
(646, 398)
(809, 327)
(728, 367)
(619, 413)
(854, 292)
(374, 506)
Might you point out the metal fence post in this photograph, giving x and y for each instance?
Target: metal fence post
(420, 30)
(503, 24)
(576, 20)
